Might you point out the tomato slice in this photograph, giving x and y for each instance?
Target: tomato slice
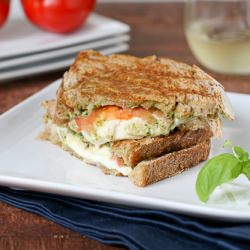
(109, 113)
(114, 113)
(119, 160)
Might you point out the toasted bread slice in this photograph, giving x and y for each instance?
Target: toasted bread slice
(151, 171)
(95, 80)
(134, 151)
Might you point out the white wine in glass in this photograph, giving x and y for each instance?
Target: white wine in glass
(218, 33)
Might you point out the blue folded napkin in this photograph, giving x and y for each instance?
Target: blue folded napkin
(133, 228)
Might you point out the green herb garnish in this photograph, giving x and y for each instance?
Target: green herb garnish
(221, 169)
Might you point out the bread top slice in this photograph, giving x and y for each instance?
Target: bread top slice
(95, 80)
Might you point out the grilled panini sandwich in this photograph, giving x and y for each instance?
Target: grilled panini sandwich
(145, 118)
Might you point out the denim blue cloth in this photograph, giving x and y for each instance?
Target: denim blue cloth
(133, 228)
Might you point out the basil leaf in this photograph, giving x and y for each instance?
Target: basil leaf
(240, 153)
(246, 170)
(218, 170)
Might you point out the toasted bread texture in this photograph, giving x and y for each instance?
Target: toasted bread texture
(151, 171)
(134, 151)
(95, 80)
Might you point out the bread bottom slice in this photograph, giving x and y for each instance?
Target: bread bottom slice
(135, 151)
(148, 172)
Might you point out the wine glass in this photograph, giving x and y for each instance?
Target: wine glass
(218, 34)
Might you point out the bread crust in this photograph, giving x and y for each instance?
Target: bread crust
(148, 172)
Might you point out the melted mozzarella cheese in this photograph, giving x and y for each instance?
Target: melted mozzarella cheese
(95, 154)
(134, 128)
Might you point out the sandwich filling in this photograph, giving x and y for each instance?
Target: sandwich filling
(112, 123)
(100, 155)
(91, 136)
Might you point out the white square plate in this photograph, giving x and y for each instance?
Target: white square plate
(19, 36)
(38, 165)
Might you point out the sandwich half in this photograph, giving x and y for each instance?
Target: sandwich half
(146, 118)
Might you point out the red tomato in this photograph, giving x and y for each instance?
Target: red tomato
(4, 10)
(112, 112)
(60, 16)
